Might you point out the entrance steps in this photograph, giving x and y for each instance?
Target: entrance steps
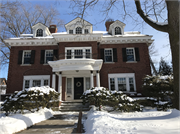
(67, 106)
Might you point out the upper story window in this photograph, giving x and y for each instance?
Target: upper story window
(108, 55)
(39, 33)
(130, 54)
(26, 57)
(117, 30)
(86, 31)
(48, 56)
(78, 52)
(78, 30)
(70, 31)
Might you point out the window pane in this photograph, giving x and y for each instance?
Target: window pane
(49, 55)
(27, 57)
(87, 83)
(112, 84)
(121, 84)
(78, 30)
(36, 83)
(108, 55)
(46, 83)
(78, 53)
(68, 54)
(70, 31)
(117, 30)
(131, 84)
(130, 54)
(39, 33)
(26, 83)
(87, 53)
(86, 31)
(69, 85)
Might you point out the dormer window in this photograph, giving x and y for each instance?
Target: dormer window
(39, 33)
(117, 30)
(78, 30)
(70, 31)
(86, 31)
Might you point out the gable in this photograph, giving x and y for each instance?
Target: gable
(115, 24)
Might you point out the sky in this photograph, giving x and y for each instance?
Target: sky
(96, 18)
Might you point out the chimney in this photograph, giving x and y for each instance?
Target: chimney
(53, 29)
(108, 23)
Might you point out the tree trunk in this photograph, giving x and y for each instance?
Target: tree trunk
(173, 30)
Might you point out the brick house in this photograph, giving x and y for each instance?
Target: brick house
(78, 59)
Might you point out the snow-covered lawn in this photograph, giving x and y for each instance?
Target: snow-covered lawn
(151, 122)
(17, 122)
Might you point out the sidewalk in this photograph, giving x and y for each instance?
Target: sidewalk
(61, 123)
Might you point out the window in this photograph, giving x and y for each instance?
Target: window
(88, 53)
(27, 83)
(48, 56)
(46, 83)
(131, 84)
(86, 31)
(108, 55)
(121, 84)
(130, 54)
(87, 83)
(70, 31)
(78, 30)
(117, 30)
(36, 80)
(36, 83)
(112, 84)
(39, 33)
(69, 85)
(27, 57)
(78, 52)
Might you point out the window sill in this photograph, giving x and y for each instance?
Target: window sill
(109, 62)
(25, 64)
(131, 61)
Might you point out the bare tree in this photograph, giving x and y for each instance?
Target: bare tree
(162, 15)
(17, 18)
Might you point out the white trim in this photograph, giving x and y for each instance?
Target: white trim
(122, 75)
(36, 77)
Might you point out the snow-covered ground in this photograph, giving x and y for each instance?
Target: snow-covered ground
(150, 122)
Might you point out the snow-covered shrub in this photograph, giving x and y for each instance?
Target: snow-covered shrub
(159, 91)
(100, 96)
(31, 99)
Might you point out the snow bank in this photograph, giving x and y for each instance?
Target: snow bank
(17, 122)
(135, 123)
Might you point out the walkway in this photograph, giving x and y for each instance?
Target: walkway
(65, 122)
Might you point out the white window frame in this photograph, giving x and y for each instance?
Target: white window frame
(133, 53)
(75, 48)
(105, 55)
(23, 56)
(42, 32)
(45, 56)
(36, 77)
(123, 75)
(116, 29)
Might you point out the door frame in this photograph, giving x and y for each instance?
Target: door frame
(72, 87)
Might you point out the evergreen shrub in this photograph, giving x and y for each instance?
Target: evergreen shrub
(159, 91)
(31, 99)
(100, 96)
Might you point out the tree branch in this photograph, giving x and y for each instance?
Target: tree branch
(162, 28)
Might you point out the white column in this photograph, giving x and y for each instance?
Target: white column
(54, 80)
(60, 86)
(92, 79)
(97, 79)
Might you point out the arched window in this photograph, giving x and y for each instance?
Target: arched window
(39, 33)
(78, 30)
(117, 30)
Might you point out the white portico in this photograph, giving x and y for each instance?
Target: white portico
(79, 75)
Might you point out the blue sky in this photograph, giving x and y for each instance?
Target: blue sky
(161, 39)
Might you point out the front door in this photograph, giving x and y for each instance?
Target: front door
(78, 87)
